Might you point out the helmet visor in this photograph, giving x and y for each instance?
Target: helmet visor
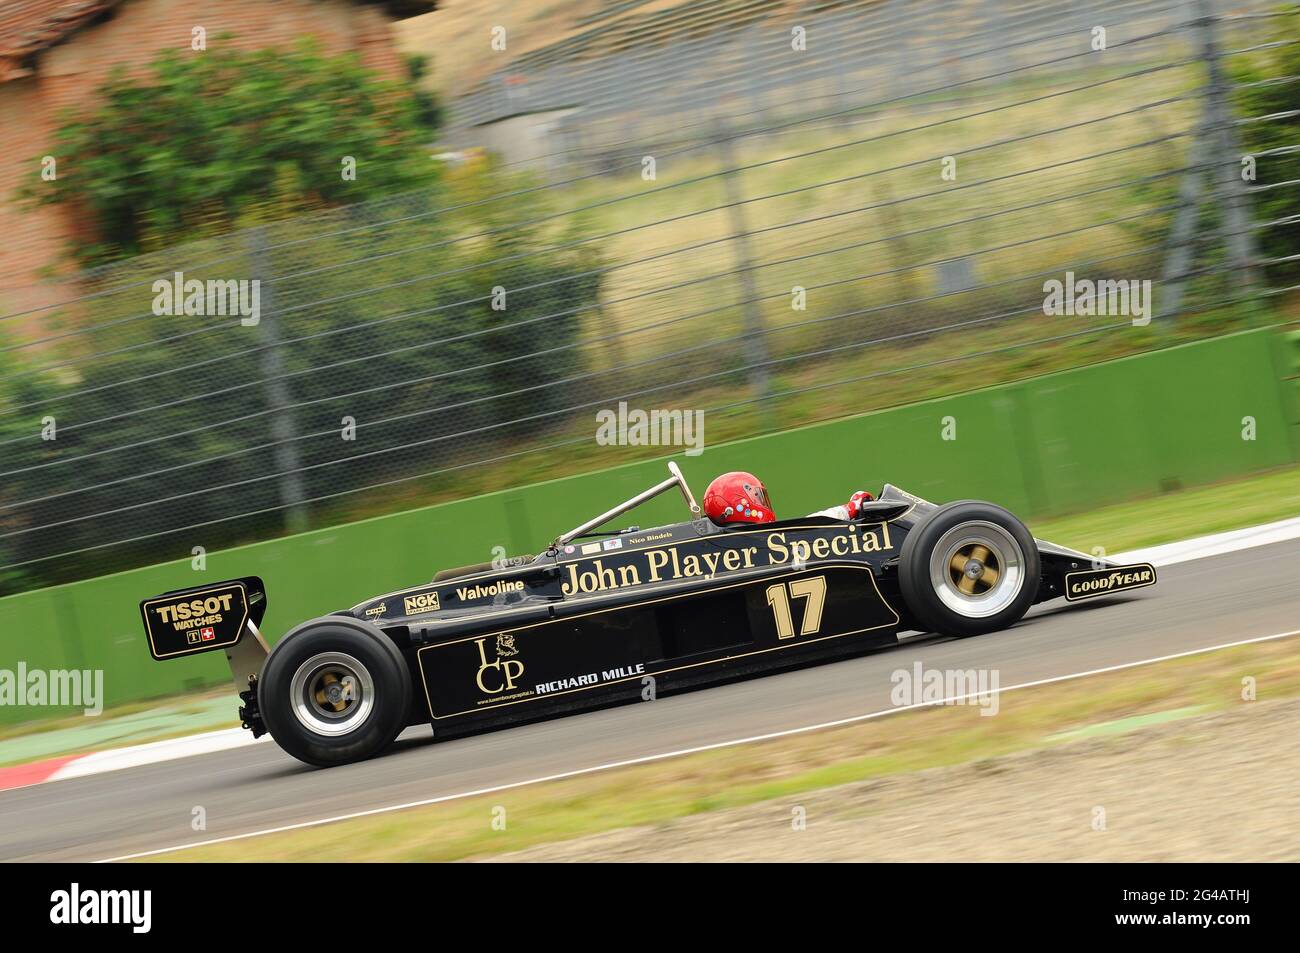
(760, 495)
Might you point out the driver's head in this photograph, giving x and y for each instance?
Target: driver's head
(738, 497)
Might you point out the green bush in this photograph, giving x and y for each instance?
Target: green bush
(208, 141)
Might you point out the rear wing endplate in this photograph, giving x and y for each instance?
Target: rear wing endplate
(219, 615)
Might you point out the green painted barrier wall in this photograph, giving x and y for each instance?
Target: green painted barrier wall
(1098, 434)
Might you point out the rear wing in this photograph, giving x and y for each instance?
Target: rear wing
(202, 618)
(219, 615)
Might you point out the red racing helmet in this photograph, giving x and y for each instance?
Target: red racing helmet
(738, 497)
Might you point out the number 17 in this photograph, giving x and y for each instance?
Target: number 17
(812, 590)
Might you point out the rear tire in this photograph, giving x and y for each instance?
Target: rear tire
(334, 690)
(969, 568)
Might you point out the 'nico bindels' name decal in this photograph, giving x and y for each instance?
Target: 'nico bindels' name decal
(668, 563)
(1099, 582)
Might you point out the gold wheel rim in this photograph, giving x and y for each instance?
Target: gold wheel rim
(977, 569)
(332, 693)
(979, 557)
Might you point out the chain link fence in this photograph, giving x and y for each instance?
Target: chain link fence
(773, 220)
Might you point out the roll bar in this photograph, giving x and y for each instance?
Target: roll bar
(675, 480)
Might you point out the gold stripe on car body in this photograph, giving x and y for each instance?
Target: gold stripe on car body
(642, 602)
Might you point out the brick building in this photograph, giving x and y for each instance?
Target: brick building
(56, 53)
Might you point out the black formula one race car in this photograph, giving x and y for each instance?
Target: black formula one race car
(604, 617)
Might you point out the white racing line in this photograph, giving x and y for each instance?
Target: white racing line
(1216, 545)
(135, 756)
(646, 759)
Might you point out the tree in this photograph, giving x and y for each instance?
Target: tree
(208, 142)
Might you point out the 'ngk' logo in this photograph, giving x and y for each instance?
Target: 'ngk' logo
(424, 602)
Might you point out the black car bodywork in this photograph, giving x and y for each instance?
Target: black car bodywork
(633, 614)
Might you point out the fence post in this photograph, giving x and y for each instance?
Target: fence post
(755, 342)
(1225, 156)
(1182, 233)
(283, 427)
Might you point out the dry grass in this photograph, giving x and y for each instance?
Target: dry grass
(731, 777)
(897, 181)
(457, 35)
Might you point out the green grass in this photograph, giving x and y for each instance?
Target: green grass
(121, 725)
(733, 777)
(1179, 515)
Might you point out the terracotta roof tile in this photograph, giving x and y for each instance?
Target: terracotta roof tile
(29, 26)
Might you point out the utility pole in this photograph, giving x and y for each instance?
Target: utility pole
(283, 427)
(1225, 156)
(755, 341)
(1213, 159)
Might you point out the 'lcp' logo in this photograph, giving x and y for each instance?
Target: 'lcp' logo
(501, 672)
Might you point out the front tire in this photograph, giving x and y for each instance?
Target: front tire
(969, 568)
(333, 691)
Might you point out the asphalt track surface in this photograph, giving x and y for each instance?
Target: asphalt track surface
(1197, 604)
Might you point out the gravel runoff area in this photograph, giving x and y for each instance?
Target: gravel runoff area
(1218, 787)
